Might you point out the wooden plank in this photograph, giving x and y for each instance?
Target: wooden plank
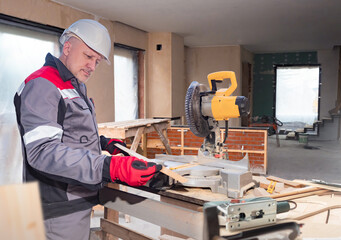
(154, 144)
(164, 170)
(164, 140)
(132, 123)
(125, 129)
(336, 189)
(112, 133)
(121, 231)
(306, 215)
(265, 151)
(111, 215)
(298, 191)
(301, 195)
(131, 131)
(286, 182)
(260, 192)
(182, 141)
(21, 213)
(186, 165)
(144, 142)
(137, 139)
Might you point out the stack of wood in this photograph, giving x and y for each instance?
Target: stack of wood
(282, 189)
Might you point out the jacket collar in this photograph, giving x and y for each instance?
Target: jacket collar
(54, 62)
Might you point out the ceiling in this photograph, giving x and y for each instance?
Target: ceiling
(258, 25)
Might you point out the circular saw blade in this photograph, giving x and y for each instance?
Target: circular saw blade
(196, 121)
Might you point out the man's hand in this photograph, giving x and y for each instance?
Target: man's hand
(133, 171)
(108, 144)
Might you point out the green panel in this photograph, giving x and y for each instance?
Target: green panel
(264, 77)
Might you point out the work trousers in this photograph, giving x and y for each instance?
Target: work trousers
(75, 226)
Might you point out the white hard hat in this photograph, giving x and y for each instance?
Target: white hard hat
(93, 34)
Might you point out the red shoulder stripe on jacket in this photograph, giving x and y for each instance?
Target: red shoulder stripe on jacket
(52, 75)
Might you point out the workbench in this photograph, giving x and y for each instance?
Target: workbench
(180, 210)
(137, 129)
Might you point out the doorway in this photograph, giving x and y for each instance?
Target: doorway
(297, 97)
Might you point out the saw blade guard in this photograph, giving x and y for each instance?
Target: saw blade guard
(197, 122)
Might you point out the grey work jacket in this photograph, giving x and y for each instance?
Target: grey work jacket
(61, 146)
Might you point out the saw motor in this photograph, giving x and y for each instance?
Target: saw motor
(205, 107)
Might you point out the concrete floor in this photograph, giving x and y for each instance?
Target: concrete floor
(292, 161)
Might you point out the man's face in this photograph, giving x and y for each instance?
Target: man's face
(80, 59)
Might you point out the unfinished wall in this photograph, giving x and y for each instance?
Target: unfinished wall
(130, 36)
(165, 74)
(329, 60)
(200, 61)
(264, 77)
(178, 76)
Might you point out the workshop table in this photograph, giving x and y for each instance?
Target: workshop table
(181, 210)
(138, 129)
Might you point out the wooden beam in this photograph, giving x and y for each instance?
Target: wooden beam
(322, 186)
(111, 215)
(286, 182)
(121, 231)
(295, 192)
(137, 138)
(164, 140)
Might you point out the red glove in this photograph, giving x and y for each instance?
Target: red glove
(131, 170)
(108, 144)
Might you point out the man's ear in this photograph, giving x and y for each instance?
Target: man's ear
(66, 48)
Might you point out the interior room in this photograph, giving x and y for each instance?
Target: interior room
(233, 100)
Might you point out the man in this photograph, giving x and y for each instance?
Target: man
(61, 146)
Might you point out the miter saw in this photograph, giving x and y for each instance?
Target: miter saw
(210, 168)
(205, 107)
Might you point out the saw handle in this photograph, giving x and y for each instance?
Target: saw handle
(215, 77)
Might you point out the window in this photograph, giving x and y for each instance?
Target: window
(128, 74)
(297, 96)
(22, 52)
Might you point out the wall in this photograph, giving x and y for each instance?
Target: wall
(200, 61)
(178, 76)
(264, 77)
(159, 76)
(165, 74)
(329, 60)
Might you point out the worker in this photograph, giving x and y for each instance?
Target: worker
(60, 142)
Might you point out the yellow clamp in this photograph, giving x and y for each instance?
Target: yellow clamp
(271, 187)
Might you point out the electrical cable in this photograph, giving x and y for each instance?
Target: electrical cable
(292, 202)
(226, 130)
(295, 204)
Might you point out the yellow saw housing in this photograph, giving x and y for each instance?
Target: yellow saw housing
(218, 104)
(222, 104)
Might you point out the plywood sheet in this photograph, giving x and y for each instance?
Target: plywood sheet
(21, 213)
